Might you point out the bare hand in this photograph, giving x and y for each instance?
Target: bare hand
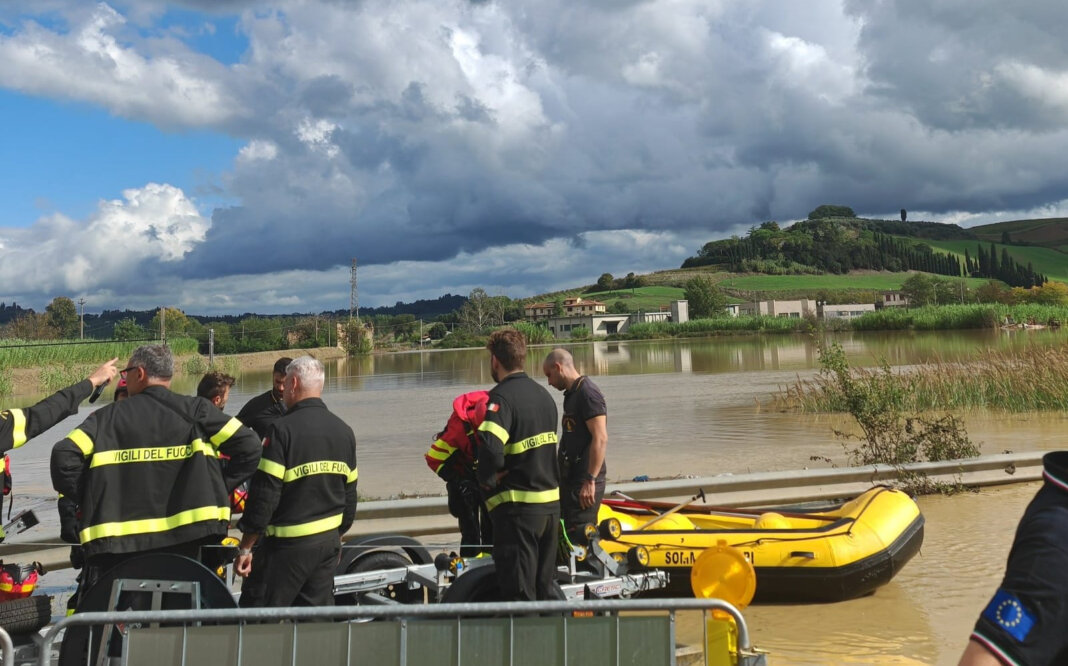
(104, 373)
(587, 494)
(243, 565)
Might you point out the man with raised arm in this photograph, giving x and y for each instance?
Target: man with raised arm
(18, 426)
(145, 470)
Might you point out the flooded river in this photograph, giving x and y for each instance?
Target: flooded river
(702, 408)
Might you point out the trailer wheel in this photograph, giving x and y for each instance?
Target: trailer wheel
(27, 615)
(472, 586)
(480, 585)
(377, 561)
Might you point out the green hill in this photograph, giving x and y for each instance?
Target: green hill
(1050, 232)
(1048, 261)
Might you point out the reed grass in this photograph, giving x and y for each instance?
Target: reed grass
(6, 384)
(16, 353)
(699, 327)
(957, 317)
(1033, 379)
(198, 365)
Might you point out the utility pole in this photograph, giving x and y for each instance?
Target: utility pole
(163, 324)
(354, 296)
(81, 324)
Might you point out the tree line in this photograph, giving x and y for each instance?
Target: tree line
(987, 264)
(825, 245)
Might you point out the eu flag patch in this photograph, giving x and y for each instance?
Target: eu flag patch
(1009, 613)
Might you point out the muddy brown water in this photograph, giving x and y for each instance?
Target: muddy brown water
(696, 408)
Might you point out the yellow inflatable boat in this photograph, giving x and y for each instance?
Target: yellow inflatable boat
(832, 554)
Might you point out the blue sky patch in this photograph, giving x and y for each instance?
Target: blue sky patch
(64, 157)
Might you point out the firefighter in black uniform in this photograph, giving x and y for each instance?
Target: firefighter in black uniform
(18, 426)
(302, 499)
(145, 471)
(263, 410)
(517, 468)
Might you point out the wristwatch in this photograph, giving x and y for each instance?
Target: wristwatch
(244, 551)
(588, 477)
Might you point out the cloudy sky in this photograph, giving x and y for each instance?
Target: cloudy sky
(233, 156)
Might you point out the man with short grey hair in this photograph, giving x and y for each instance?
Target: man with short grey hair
(302, 499)
(145, 470)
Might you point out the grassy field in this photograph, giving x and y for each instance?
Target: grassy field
(639, 298)
(1048, 232)
(870, 281)
(1049, 262)
(35, 354)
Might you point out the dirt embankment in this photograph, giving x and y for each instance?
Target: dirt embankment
(27, 381)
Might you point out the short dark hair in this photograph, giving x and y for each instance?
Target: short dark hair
(509, 347)
(281, 364)
(214, 384)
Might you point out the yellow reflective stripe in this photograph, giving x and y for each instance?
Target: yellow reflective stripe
(152, 454)
(18, 435)
(353, 475)
(228, 430)
(494, 429)
(272, 468)
(317, 467)
(529, 443)
(524, 496)
(154, 525)
(82, 441)
(305, 529)
(441, 450)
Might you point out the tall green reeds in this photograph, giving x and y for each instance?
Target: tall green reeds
(958, 317)
(1033, 379)
(698, 327)
(30, 354)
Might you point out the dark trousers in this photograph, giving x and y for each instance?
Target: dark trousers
(476, 530)
(524, 551)
(575, 517)
(298, 572)
(98, 565)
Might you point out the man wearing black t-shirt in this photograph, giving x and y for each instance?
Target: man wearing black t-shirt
(582, 444)
(263, 410)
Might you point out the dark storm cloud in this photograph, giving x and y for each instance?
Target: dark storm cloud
(439, 131)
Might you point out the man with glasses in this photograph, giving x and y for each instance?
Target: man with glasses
(145, 470)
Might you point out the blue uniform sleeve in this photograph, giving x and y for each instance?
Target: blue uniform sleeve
(1025, 621)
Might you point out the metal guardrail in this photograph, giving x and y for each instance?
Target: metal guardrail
(8, 648)
(255, 616)
(430, 515)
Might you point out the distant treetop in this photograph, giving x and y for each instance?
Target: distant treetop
(827, 210)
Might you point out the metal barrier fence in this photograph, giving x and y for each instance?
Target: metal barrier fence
(501, 639)
(8, 648)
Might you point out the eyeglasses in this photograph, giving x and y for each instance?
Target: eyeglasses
(122, 373)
